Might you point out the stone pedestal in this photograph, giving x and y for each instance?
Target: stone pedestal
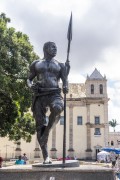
(84, 172)
(71, 153)
(57, 164)
(18, 149)
(37, 153)
(89, 154)
(53, 153)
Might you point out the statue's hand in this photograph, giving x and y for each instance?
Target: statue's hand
(34, 88)
(67, 64)
(65, 89)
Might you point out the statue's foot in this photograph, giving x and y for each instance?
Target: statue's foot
(47, 161)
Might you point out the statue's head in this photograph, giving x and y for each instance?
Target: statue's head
(50, 49)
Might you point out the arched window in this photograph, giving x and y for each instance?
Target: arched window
(101, 89)
(112, 143)
(92, 89)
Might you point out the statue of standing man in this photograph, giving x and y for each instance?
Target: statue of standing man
(47, 93)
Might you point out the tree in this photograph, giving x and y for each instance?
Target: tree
(16, 54)
(113, 124)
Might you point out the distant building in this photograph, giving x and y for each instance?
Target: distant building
(114, 139)
(87, 122)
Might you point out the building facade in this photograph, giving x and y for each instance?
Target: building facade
(114, 140)
(87, 122)
(87, 119)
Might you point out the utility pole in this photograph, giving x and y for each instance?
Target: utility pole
(6, 153)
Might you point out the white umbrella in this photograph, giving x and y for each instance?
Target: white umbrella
(103, 152)
(103, 156)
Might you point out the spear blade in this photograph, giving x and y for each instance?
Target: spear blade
(69, 33)
(69, 36)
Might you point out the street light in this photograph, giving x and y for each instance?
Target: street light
(6, 152)
(13, 151)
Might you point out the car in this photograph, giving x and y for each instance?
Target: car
(67, 158)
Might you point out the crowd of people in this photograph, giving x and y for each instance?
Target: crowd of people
(115, 163)
(117, 167)
(115, 160)
(21, 159)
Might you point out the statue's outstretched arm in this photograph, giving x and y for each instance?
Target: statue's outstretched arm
(31, 75)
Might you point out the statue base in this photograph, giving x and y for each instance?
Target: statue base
(83, 172)
(58, 164)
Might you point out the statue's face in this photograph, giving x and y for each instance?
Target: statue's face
(52, 49)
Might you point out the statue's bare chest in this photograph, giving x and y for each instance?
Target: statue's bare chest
(47, 67)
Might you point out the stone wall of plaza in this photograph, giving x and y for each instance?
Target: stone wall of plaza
(9, 149)
(87, 124)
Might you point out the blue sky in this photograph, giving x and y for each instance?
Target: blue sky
(96, 36)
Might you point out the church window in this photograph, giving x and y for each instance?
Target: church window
(79, 120)
(112, 143)
(92, 89)
(101, 89)
(97, 131)
(97, 120)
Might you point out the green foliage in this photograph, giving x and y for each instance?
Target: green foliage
(23, 127)
(16, 54)
(6, 117)
(113, 124)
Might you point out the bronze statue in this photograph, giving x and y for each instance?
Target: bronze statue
(47, 93)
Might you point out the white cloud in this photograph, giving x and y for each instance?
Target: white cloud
(76, 78)
(63, 8)
(110, 62)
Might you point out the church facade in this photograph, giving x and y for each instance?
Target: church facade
(86, 120)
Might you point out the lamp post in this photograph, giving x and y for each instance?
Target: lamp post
(13, 151)
(6, 152)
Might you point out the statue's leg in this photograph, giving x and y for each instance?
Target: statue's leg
(56, 107)
(40, 117)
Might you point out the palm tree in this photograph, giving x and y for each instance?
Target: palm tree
(113, 123)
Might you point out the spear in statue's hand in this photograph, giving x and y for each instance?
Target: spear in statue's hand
(67, 69)
(69, 37)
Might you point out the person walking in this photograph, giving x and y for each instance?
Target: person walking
(117, 167)
(1, 160)
(19, 161)
(113, 158)
(24, 157)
